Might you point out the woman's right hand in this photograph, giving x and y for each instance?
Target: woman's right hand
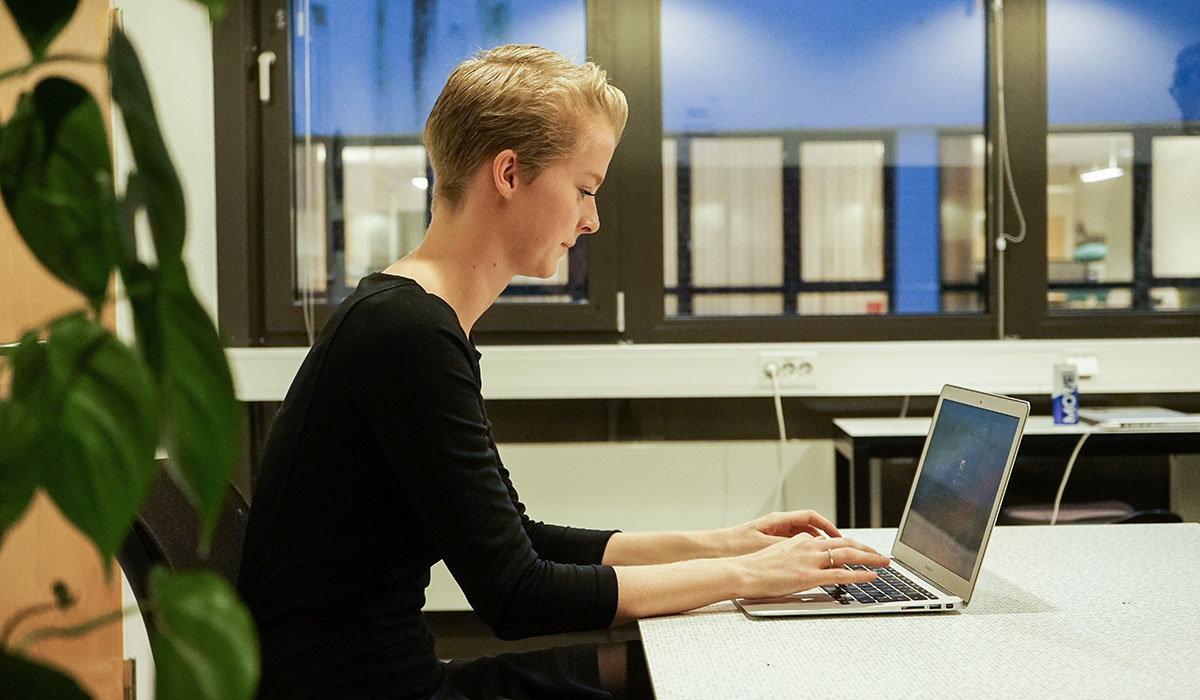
(802, 562)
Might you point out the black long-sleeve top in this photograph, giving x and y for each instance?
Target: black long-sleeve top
(380, 462)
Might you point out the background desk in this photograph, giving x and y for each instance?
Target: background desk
(1070, 611)
(859, 444)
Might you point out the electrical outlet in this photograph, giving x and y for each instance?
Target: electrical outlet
(791, 369)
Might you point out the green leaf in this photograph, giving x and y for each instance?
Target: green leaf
(161, 189)
(19, 434)
(18, 477)
(202, 417)
(216, 9)
(41, 20)
(97, 429)
(203, 640)
(56, 181)
(21, 678)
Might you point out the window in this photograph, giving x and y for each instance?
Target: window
(802, 156)
(346, 181)
(790, 171)
(1123, 93)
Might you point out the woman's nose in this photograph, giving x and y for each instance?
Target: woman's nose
(590, 221)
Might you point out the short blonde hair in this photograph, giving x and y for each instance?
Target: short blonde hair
(526, 98)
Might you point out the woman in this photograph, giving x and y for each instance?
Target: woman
(381, 460)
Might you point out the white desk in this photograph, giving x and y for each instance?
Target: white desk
(859, 443)
(1083, 611)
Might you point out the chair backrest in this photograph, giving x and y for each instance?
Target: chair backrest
(167, 531)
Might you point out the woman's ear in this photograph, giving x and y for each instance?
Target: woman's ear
(504, 172)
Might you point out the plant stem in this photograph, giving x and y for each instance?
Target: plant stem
(72, 57)
(19, 617)
(75, 630)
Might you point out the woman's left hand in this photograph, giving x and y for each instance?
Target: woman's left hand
(774, 527)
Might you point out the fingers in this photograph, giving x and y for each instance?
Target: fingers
(808, 521)
(819, 521)
(840, 543)
(841, 556)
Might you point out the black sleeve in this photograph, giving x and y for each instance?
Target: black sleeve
(418, 392)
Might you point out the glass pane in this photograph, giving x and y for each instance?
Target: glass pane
(1123, 218)
(311, 242)
(1176, 216)
(737, 224)
(383, 206)
(963, 222)
(365, 75)
(1089, 224)
(805, 157)
(842, 185)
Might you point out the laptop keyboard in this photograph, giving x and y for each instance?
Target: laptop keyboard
(890, 586)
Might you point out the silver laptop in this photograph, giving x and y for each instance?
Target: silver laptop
(952, 506)
(1141, 419)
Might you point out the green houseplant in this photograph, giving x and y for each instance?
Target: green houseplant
(86, 413)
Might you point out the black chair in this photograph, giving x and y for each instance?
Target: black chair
(167, 529)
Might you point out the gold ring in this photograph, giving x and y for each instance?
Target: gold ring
(831, 564)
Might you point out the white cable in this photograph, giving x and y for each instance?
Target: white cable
(772, 371)
(904, 407)
(1002, 134)
(1062, 486)
(305, 264)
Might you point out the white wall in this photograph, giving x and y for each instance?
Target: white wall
(637, 487)
(909, 368)
(174, 40)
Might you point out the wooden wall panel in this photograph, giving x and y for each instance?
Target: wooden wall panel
(44, 547)
(28, 294)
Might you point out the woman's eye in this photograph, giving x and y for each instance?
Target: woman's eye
(586, 193)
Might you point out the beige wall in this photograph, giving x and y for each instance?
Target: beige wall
(29, 295)
(43, 547)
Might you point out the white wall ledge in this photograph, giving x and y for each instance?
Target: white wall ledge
(1150, 365)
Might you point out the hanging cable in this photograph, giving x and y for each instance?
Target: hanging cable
(772, 371)
(1062, 485)
(304, 262)
(1002, 136)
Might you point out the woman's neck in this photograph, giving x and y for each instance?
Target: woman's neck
(456, 262)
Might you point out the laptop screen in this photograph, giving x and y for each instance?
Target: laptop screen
(952, 503)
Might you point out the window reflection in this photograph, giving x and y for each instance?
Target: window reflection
(803, 157)
(1123, 218)
(365, 74)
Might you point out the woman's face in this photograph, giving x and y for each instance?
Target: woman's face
(560, 205)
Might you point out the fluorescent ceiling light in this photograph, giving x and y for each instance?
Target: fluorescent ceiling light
(1100, 174)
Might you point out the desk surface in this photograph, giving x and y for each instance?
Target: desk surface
(1104, 631)
(919, 426)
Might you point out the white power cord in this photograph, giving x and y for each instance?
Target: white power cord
(1002, 138)
(305, 270)
(1062, 486)
(772, 371)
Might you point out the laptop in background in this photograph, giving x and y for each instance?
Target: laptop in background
(952, 507)
(1134, 419)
